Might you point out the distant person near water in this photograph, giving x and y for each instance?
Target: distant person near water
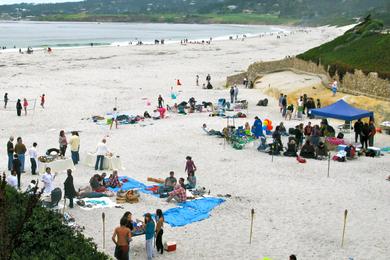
(5, 100)
(19, 108)
(25, 105)
(43, 101)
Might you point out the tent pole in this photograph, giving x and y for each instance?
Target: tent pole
(350, 132)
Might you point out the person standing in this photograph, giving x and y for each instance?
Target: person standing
(190, 165)
(16, 164)
(121, 238)
(62, 142)
(18, 107)
(364, 135)
(74, 142)
(284, 105)
(300, 108)
(232, 95)
(334, 87)
(114, 118)
(20, 150)
(33, 158)
(10, 152)
(149, 235)
(159, 230)
(235, 93)
(372, 133)
(43, 100)
(160, 101)
(47, 180)
(197, 80)
(280, 102)
(357, 127)
(208, 78)
(6, 99)
(101, 151)
(25, 105)
(69, 190)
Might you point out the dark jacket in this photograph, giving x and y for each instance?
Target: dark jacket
(16, 165)
(357, 127)
(69, 189)
(10, 147)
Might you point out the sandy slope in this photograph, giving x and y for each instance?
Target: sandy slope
(298, 209)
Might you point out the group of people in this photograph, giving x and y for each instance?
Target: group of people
(174, 190)
(233, 94)
(303, 106)
(21, 105)
(364, 133)
(153, 228)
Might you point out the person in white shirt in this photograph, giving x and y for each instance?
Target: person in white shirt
(33, 158)
(114, 118)
(12, 180)
(47, 180)
(101, 151)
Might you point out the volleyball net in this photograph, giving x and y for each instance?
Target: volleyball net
(11, 105)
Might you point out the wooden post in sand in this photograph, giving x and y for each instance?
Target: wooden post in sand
(345, 222)
(104, 230)
(250, 234)
(328, 163)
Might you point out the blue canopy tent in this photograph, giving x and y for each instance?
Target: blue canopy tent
(343, 111)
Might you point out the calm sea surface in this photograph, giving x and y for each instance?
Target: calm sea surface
(68, 34)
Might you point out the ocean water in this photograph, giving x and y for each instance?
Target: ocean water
(23, 34)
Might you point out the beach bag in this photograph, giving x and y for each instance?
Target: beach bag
(300, 159)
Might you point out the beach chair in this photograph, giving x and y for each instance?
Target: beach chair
(55, 196)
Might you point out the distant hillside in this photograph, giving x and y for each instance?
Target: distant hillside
(364, 47)
(243, 11)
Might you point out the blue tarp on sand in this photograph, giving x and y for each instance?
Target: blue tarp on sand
(130, 184)
(191, 211)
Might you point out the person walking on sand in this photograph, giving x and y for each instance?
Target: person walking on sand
(160, 101)
(159, 230)
(43, 100)
(208, 78)
(235, 93)
(62, 142)
(18, 108)
(122, 239)
(114, 118)
(33, 158)
(190, 165)
(197, 80)
(10, 152)
(6, 99)
(25, 105)
(334, 87)
(149, 235)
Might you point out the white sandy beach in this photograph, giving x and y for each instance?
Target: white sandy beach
(298, 209)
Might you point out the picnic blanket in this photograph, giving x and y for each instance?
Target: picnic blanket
(191, 211)
(131, 184)
(95, 203)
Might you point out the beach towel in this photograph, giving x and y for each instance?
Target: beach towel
(95, 203)
(131, 184)
(191, 211)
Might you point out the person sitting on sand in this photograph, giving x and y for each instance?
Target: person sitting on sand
(282, 129)
(114, 182)
(248, 129)
(178, 194)
(308, 151)
(181, 183)
(212, 131)
(291, 148)
(102, 179)
(147, 115)
(277, 137)
(156, 115)
(321, 151)
(95, 184)
(169, 183)
(191, 181)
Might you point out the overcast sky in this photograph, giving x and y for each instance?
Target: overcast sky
(4, 2)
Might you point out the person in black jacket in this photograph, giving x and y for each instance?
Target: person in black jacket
(70, 191)
(10, 152)
(364, 135)
(357, 127)
(16, 167)
(19, 107)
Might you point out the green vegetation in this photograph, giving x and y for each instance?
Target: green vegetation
(29, 231)
(307, 12)
(364, 47)
(239, 18)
